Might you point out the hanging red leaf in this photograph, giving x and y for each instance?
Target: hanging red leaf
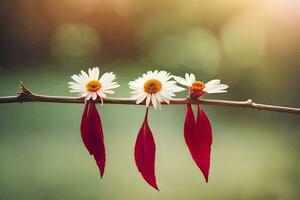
(189, 128)
(198, 137)
(204, 133)
(144, 153)
(92, 134)
(191, 136)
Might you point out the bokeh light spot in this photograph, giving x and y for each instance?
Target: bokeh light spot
(75, 41)
(243, 41)
(197, 49)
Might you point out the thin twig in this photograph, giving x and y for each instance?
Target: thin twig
(26, 95)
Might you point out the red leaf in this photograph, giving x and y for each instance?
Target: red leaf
(189, 128)
(92, 134)
(204, 132)
(198, 137)
(144, 153)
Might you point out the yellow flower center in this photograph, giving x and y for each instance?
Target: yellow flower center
(196, 90)
(198, 85)
(152, 86)
(93, 86)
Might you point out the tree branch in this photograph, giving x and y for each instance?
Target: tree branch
(26, 95)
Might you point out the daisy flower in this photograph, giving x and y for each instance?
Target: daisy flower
(89, 85)
(154, 86)
(198, 88)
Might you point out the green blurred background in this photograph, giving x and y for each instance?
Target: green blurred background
(253, 46)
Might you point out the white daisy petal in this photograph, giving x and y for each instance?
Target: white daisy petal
(158, 97)
(108, 78)
(79, 87)
(142, 98)
(74, 91)
(97, 71)
(165, 95)
(94, 96)
(187, 77)
(136, 91)
(89, 96)
(159, 100)
(170, 83)
(148, 100)
(84, 94)
(215, 92)
(138, 95)
(188, 81)
(85, 75)
(182, 81)
(154, 101)
(111, 87)
(101, 94)
(109, 91)
(94, 73)
(167, 101)
(214, 86)
(77, 78)
(174, 88)
(192, 78)
(212, 83)
(90, 72)
(219, 87)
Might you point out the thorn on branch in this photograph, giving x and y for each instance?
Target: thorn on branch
(24, 91)
(249, 101)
